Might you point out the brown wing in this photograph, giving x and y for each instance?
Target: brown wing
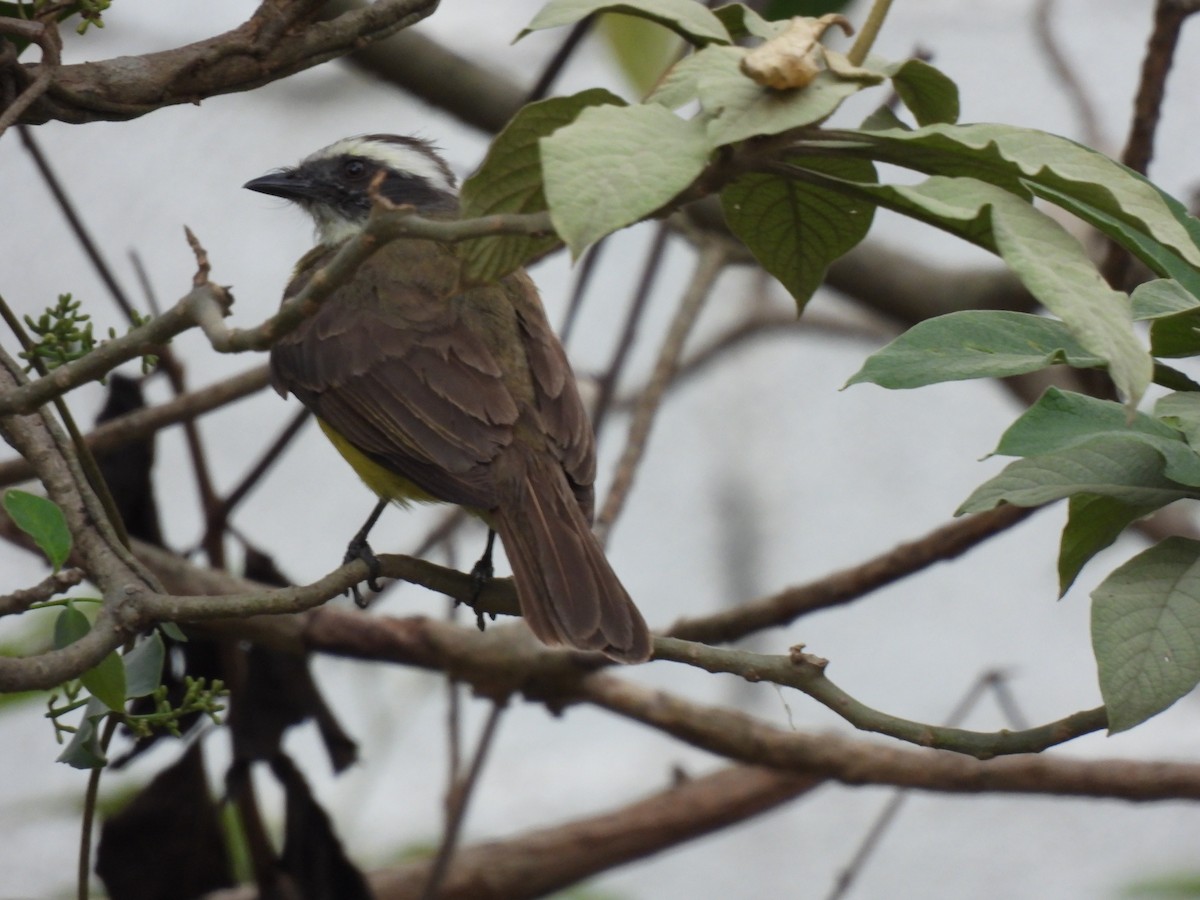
(392, 365)
(564, 420)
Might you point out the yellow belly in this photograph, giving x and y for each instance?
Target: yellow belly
(385, 483)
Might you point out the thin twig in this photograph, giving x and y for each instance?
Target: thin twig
(75, 221)
(83, 456)
(207, 304)
(453, 724)
(141, 423)
(868, 32)
(760, 326)
(46, 36)
(492, 662)
(852, 583)
(1064, 75)
(453, 519)
(709, 265)
(557, 62)
(84, 872)
(737, 736)
(1169, 16)
(628, 337)
(167, 360)
(883, 821)
(219, 517)
(20, 600)
(546, 861)
(143, 277)
(201, 471)
(806, 674)
(583, 278)
(458, 796)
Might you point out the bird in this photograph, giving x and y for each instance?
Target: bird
(437, 389)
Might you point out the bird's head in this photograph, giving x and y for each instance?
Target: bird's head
(333, 184)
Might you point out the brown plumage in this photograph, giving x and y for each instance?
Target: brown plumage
(466, 395)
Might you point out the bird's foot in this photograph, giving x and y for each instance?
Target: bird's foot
(481, 573)
(360, 549)
(483, 570)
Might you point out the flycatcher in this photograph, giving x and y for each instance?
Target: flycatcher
(437, 390)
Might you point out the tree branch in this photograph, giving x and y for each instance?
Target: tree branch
(107, 356)
(477, 95)
(108, 563)
(141, 423)
(539, 863)
(856, 762)
(847, 585)
(806, 673)
(1169, 16)
(275, 42)
(708, 268)
(55, 583)
(46, 36)
(207, 304)
(506, 660)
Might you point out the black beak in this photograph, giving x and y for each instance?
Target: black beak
(288, 184)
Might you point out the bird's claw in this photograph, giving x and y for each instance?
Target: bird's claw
(481, 574)
(360, 549)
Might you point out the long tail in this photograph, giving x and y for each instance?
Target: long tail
(569, 593)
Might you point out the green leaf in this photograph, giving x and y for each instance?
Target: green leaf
(1182, 412)
(1161, 297)
(1093, 523)
(1146, 632)
(944, 158)
(1052, 163)
(737, 108)
(681, 83)
(1125, 468)
(1173, 379)
(84, 750)
(69, 626)
(1177, 336)
(797, 228)
(106, 680)
(615, 165)
(1056, 269)
(642, 50)
(786, 9)
(143, 666)
(1174, 316)
(43, 521)
(510, 181)
(929, 95)
(690, 20)
(1178, 885)
(173, 631)
(882, 118)
(1049, 262)
(742, 22)
(1060, 420)
(1159, 258)
(973, 344)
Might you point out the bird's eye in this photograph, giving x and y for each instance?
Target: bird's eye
(354, 168)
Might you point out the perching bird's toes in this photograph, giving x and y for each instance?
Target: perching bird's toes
(360, 549)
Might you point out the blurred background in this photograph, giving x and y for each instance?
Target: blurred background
(760, 474)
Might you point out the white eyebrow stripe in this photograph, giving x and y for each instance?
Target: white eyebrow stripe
(395, 156)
